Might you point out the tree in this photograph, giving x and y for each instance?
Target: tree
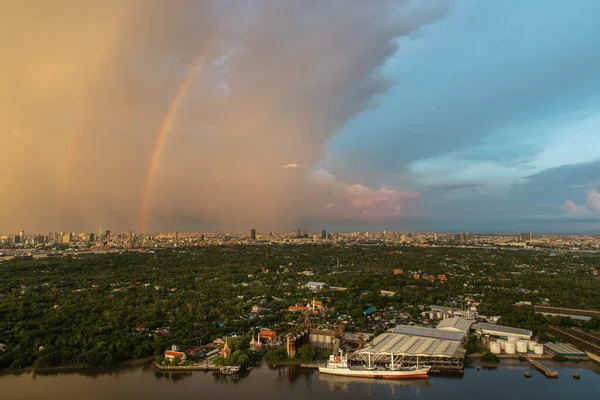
(306, 352)
(276, 354)
(239, 357)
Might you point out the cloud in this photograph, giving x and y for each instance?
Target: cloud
(290, 166)
(279, 80)
(359, 203)
(590, 208)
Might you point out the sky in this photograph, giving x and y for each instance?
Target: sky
(345, 115)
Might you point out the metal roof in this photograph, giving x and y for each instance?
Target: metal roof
(399, 344)
(443, 308)
(564, 349)
(502, 329)
(428, 332)
(455, 322)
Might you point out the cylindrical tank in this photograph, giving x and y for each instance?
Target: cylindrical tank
(512, 339)
(439, 315)
(510, 348)
(521, 346)
(503, 344)
(538, 349)
(495, 348)
(531, 345)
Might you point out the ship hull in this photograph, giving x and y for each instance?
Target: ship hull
(377, 374)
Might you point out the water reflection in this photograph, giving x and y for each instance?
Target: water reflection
(341, 384)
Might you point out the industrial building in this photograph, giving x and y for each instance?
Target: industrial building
(502, 331)
(582, 315)
(430, 333)
(564, 349)
(455, 324)
(409, 349)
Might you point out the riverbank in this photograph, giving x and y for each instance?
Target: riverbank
(187, 367)
(133, 362)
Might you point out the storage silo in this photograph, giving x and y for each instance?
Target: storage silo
(510, 348)
(531, 345)
(503, 344)
(439, 315)
(538, 349)
(512, 339)
(521, 346)
(495, 348)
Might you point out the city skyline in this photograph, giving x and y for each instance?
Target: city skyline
(432, 116)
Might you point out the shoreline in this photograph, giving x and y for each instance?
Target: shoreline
(132, 362)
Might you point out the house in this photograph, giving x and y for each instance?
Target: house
(387, 293)
(171, 354)
(369, 310)
(315, 286)
(266, 336)
(398, 272)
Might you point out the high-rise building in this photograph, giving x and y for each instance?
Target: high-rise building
(252, 234)
(92, 237)
(176, 239)
(299, 235)
(526, 236)
(22, 236)
(323, 234)
(67, 238)
(100, 237)
(40, 238)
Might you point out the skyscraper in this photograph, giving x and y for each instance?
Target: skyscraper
(252, 234)
(22, 236)
(526, 236)
(323, 234)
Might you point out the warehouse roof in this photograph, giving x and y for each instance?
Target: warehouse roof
(443, 308)
(428, 332)
(399, 344)
(456, 323)
(508, 330)
(564, 349)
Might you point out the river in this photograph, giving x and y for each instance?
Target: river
(291, 382)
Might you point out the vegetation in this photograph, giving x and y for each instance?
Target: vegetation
(99, 310)
(490, 358)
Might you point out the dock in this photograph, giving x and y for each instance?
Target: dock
(547, 371)
(314, 366)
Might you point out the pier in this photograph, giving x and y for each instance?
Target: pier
(547, 371)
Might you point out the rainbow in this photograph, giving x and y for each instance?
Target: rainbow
(166, 128)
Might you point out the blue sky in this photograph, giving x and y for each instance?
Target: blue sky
(486, 101)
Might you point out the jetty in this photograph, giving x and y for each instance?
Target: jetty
(547, 371)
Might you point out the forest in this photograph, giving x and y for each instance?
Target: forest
(99, 310)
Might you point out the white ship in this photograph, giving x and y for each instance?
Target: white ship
(338, 365)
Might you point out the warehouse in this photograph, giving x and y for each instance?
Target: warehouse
(564, 349)
(502, 331)
(455, 324)
(411, 350)
(429, 333)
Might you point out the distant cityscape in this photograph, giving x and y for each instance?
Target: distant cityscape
(39, 245)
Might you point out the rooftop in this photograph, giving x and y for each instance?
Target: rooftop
(400, 344)
(455, 322)
(502, 329)
(428, 332)
(564, 349)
